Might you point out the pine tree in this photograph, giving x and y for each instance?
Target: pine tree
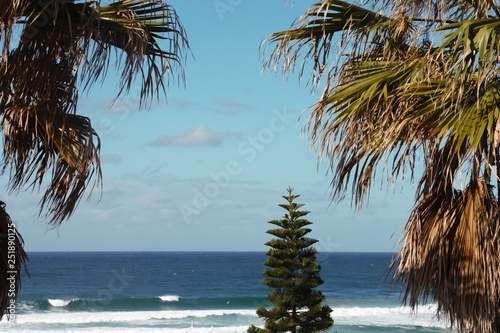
(293, 274)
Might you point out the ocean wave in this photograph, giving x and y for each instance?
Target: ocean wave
(178, 303)
(136, 317)
(371, 316)
(169, 298)
(59, 302)
(355, 319)
(185, 329)
(158, 303)
(379, 311)
(423, 316)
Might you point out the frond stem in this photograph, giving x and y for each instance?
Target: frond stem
(426, 20)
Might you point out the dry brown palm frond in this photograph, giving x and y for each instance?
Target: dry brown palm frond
(78, 146)
(132, 30)
(41, 132)
(13, 260)
(64, 145)
(137, 28)
(434, 10)
(481, 8)
(442, 165)
(11, 12)
(442, 10)
(450, 254)
(64, 44)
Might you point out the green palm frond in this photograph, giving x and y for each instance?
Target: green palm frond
(354, 125)
(313, 34)
(327, 18)
(380, 108)
(465, 119)
(472, 47)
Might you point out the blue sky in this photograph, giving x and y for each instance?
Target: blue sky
(205, 167)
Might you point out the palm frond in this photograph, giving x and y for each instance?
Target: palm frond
(138, 27)
(63, 145)
(382, 107)
(441, 10)
(313, 34)
(41, 132)
(64, 44)
(354, 125)
(471, 48)
(432, 10)
(450, 255)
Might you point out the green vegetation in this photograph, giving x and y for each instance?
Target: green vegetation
(412, 90)
(293, 274)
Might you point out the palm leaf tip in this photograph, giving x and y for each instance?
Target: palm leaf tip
(311, 37)
(138, 28)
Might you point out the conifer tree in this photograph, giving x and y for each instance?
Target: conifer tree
(293, 274)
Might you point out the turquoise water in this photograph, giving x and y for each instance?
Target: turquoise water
(197, 292)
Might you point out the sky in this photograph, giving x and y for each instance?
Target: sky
(204, 168)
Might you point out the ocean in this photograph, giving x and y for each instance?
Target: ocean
(200, 292)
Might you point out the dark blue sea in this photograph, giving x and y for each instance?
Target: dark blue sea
(197, 292)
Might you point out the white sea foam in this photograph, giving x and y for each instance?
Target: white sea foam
(187, 329)
(388, 316)
(169, 298)
(59, 302)
(121, 317)
(374, 316)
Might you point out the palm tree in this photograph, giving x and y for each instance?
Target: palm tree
(408, 81)
(50, 49)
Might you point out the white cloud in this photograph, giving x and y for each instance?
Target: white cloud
(198, 136)
(111, 158)
(229, 106)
